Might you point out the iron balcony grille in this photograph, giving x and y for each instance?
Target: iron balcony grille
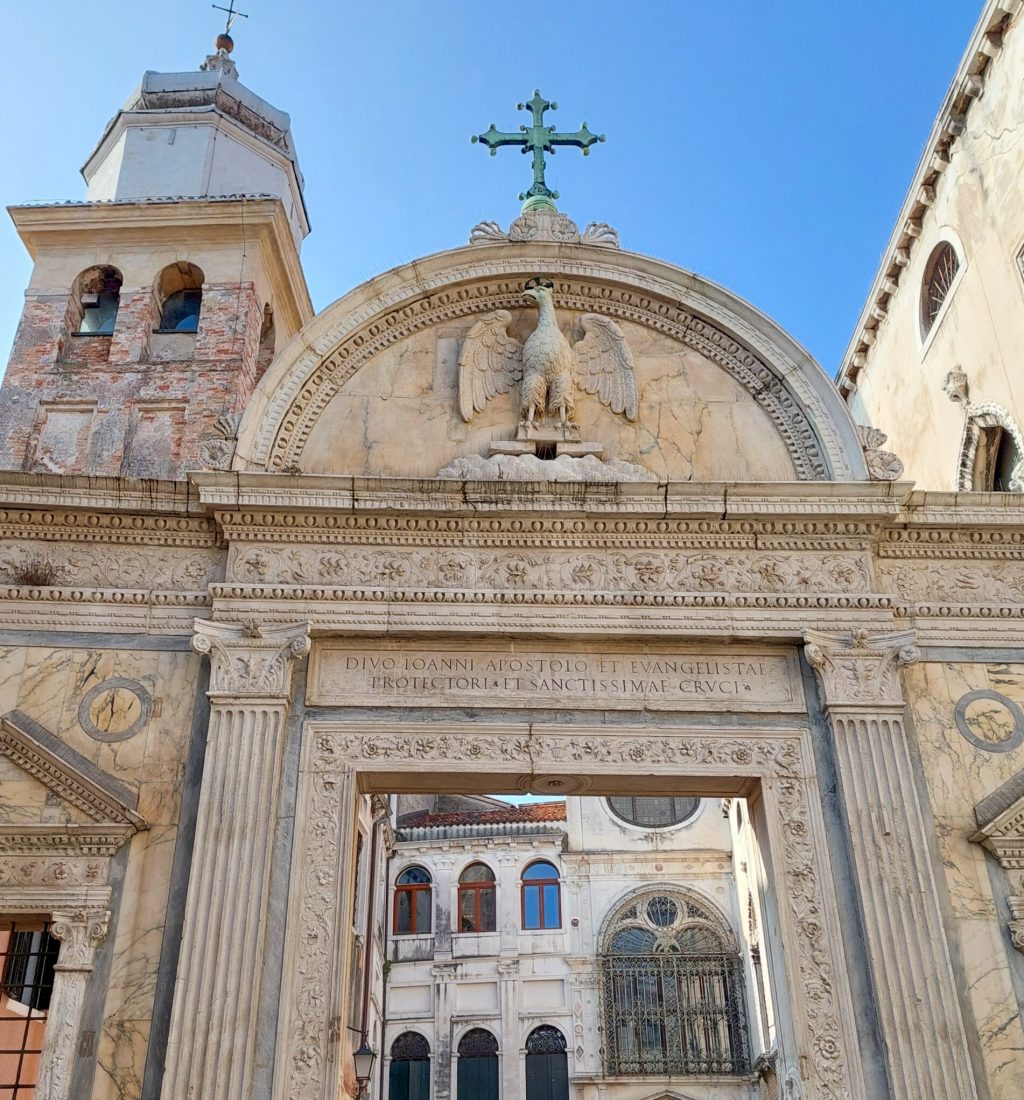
(674, 1015)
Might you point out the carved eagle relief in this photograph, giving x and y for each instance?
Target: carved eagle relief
(547, 367)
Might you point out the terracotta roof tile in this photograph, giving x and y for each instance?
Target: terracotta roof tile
(529, 811)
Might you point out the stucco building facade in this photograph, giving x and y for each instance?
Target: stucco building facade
(262, 569)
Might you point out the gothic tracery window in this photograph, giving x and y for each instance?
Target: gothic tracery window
(409, 1073)
(939, 273)
(478, 1066)
(672, 991)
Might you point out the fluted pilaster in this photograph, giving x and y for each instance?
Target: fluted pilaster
(213, 1027)
(915, 985)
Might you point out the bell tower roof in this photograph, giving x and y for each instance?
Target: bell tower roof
(198, 135)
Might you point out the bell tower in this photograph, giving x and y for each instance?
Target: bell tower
(156, 303)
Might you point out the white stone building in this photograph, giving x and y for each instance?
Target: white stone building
(609, 956)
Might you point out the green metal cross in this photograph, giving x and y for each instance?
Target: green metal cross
(538, 139)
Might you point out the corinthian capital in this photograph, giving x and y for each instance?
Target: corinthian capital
(80, 932)
(247, 659)
(860, 668)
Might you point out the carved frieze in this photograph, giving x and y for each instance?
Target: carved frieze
(473, 568)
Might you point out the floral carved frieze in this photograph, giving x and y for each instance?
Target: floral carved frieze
(248, 659)
(95, 565)
(962, 582)
(334, 754)
(579, 571)
(861, 668)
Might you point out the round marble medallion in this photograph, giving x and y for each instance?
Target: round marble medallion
(115, 710)
(990, 721)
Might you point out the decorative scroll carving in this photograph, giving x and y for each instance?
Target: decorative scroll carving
(882, 465)
(331, 758)
(249, 659)
(861, 668)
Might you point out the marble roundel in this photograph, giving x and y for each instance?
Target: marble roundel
(990, 721)
(115, 710)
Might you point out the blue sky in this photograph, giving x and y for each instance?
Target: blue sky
(765, 144)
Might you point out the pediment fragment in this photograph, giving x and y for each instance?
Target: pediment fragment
(77, 781)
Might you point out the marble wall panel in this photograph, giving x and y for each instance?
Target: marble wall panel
(49, 685)
(958, 776)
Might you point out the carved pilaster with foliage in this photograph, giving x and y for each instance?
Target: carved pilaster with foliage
(80, 932)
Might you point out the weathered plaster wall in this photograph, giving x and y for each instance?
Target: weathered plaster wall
(958, 776)
(49, 685)
(979, 207)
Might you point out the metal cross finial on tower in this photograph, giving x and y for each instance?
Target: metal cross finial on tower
(232, 14)
(538, 139)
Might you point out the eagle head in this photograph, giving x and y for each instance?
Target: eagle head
(538, 289)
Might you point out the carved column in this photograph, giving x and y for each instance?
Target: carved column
(922, 1026)
(213, 1026)
(79, 933)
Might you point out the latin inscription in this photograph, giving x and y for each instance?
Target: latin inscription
(397, 676)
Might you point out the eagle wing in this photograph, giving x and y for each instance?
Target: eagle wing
(604, 364)
(490, 362)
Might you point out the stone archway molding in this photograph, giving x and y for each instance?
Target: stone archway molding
(780, 375)
(338, 757)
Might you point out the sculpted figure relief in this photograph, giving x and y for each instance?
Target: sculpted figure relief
(547, 366)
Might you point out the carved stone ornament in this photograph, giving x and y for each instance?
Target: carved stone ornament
(546, 366)
(956, 387)
(861, 669)
(217, 452)
(332, 755)
(545, 225)
(80, 932)
(1000, 818)
(882, 465)
(248, 659)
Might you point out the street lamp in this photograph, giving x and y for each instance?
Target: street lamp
(363, 1060)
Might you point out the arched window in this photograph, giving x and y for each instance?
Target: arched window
(939, 273)
(98, 292)
(992, 452)
(180, 294)
(409, 1075)
(477, 909)
(547, 1070)
(542, 905)
(653, 812)
(672, 991)
(412, 902)
(478, 1066)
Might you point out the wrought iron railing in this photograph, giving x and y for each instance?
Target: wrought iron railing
(669, 1014)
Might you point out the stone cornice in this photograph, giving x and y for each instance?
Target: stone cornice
(67, 773)
(967, 85)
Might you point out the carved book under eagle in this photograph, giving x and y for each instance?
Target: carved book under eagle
(546, 366)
